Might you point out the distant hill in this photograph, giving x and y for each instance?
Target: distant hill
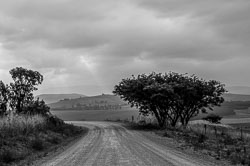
(52, 98)
(94, 102)
(236, 97)
(232, 102)
(239, 90)
(110, 102)
(227, 108)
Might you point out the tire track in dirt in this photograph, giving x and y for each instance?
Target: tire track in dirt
(110, 144)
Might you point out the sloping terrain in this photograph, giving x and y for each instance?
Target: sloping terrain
(236, 97)
(227, 109)
(239, 90)
(80, 103)
(52, 98)
(66, 101)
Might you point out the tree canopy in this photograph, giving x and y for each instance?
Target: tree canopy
(213, 118)
(19, 93)
(25, 82)
(4, 93)
(170, 97)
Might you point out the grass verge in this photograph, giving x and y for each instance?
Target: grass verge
(26, 138)
(220, 142)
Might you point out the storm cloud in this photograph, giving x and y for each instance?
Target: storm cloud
(92, 45)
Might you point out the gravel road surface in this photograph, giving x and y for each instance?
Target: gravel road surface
(108, 144)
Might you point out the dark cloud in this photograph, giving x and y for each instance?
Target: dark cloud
(229, 18)
(93, 43)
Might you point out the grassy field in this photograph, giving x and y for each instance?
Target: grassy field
(96, 115)
(127, 113)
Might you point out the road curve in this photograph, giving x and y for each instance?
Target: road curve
(110, 144)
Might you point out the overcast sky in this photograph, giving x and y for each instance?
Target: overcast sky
(88, 46)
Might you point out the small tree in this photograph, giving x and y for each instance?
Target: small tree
(37, 107)
(4, 93)
(213, 118)
(25, 82)
(19, 93)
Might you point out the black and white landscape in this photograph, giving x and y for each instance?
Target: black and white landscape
(124, 82)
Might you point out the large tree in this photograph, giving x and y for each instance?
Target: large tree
(25, 82)
(195, 95)
(150, 93)
(170, 97)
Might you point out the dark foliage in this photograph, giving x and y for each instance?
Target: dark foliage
(4, 92)
(170, 97)
(54, 121)
(19, 141)
(37, 144)
(10, 155)
(36, 107)
(18, 95)
(25, 82)
(213, 118)
(55, 140)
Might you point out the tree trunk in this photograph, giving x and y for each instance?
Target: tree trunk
(173, 122)
(161, 120)
(161, 123)
(18, 107)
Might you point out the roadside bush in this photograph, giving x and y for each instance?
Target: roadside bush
(213, 118)
(36, 107)
(238, 158)
(7, 156)
(53, 121)
(142, 122)
(37, 144)
(10, 155)
(143, 126)
(70, 129)
(227, 139)
(67, 131)
(55, 140)
(202, 138)
(28, 125)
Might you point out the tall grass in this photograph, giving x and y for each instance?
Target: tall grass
(21, 124)
(22, 136)
(213, 130)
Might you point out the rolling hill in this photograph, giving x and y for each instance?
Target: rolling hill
(239, 90)
(228, 108)
(236, 97)
(52, 98)
(101, 101)
(97, 104)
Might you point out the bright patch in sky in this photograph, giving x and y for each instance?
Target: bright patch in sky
(88, 63)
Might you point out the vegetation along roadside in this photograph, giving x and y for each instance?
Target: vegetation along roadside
(173, 100)
(27, 128)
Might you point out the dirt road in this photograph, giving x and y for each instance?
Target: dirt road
(111, 144)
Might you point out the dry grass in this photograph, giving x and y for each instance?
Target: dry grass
(13, 125)
(220, 141)
(213, 130)
(217, 140)
(24, 138)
